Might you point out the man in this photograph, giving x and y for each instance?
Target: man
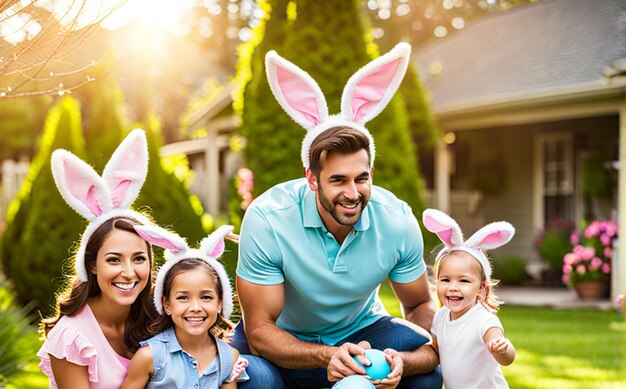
(314, 251)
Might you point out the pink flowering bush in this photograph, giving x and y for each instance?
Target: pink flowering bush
(245, 185)
(240, 197)
(590, 258)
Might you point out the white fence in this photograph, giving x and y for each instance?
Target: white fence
(13, 174)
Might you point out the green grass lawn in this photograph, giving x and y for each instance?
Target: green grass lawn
(573, 349)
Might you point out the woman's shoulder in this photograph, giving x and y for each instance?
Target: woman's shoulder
(67, 340)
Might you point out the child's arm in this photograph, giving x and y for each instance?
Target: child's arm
(500, 347)
(140, 370)
(234, 375)
(434, 344)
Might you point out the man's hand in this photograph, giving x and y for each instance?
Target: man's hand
(342, 364)
(393, 379)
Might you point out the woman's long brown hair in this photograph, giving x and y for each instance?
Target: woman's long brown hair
(73, 296)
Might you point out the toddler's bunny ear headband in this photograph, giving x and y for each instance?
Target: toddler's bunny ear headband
(489, 237)
(176, 249)
(97, 198)
(366, 94)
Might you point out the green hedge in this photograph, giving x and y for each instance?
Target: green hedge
(40, 225)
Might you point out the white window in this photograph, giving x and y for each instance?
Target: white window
(554, 178)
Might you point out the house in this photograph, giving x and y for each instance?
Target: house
(528, 98)
(211, 158)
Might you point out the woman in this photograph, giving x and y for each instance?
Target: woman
(103, 313)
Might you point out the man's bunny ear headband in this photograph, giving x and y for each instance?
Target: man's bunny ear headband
(489, 237)
(367, 92)
(101, 198)
(176, 249)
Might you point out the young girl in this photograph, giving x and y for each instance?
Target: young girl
(193, 296)
(466, 332)
(101, 316)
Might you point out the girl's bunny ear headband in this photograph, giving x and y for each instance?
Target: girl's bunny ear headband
(176, 249)
(367, 92)
(489, 237)
(101, 198)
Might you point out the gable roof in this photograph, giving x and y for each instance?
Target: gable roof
(549, 47)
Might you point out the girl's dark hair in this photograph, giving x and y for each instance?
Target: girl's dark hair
(221, 326)
(342, 140)
(73, 296)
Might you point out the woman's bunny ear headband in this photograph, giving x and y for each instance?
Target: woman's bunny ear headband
(176, 249)
(101, 198)
(489, 237)
(366, 94)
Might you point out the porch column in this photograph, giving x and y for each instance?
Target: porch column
(212, 169)
(619, 274)
(442, 177)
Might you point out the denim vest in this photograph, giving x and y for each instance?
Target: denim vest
(174, 368)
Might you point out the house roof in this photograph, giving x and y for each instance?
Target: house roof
(545, 48)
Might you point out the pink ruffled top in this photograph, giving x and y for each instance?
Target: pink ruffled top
(79, 340)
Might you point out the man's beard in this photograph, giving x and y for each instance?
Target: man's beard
(331, 208)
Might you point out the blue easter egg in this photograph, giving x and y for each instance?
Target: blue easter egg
(354, 382)
(379, 369)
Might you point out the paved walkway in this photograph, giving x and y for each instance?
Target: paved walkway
(547, 297)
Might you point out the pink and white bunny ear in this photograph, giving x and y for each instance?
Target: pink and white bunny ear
(443, 226)
(126, 171)
(296, 91)
(370, 89)
(80, 186)
(160, 237)
(213, 245)
(491, 236)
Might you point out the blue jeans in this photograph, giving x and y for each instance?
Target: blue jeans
(387, 332)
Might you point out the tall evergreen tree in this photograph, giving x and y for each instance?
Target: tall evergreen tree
(330, 46)
(104, 121)
(264, 124)
(422, 123)
(423, 127)
(40, 225)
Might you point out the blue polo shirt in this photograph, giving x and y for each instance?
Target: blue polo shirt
(330, 289)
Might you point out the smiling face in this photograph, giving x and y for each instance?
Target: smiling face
(122, 267)
(343, 188)
(193, 301)
(459, 282)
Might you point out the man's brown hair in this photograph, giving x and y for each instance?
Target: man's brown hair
(342, 140)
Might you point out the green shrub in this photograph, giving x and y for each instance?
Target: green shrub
(17, 343)
(554, 242)
(510, 270)
(597, 180)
